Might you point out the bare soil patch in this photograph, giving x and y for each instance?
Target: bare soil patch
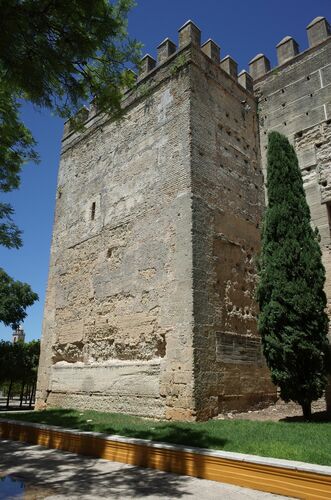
(280, 411)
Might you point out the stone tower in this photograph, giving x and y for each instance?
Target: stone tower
(150, 302)
(18, 335)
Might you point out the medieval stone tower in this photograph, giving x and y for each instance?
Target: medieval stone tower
(150, 303)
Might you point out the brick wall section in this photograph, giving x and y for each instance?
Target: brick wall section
(228, 202)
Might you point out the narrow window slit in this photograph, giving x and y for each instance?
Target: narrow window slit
(93, 211)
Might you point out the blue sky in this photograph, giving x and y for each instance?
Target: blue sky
(242, 29)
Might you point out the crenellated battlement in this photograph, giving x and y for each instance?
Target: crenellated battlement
(318, 31)
(190, 34)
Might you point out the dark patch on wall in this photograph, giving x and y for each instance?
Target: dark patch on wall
(238, 349)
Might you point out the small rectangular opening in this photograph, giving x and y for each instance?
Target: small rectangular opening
(93, 211)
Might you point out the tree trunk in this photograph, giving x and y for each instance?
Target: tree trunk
(306, 409)
(9, 391)
(31, 395)
(27, 393)
(22, 394)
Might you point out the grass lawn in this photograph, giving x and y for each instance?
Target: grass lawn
(306, 442)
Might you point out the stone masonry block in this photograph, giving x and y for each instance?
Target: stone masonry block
(230, 66)
(259, 66)
(212, 50)
(318, 30)
(245, 80)
(165, 49)
(147, 64)
(286, 49)
(189, 33)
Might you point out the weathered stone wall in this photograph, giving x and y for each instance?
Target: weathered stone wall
(295, 99)
(313, 147)
(227, 185)
(118, 314)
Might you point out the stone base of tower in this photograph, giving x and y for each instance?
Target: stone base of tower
(120, 387)
(234, 388)
(135, 388)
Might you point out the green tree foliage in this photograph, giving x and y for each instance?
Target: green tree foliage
(292, 322)
(60, 54)
(57, 55)
(15, 297)
(18, 367)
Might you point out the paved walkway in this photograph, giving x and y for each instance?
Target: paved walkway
(56, 475)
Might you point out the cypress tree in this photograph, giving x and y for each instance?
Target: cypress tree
(293, 322)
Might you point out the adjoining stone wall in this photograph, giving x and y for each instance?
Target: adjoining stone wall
(295, 99)
(228, 202)
(313, 147)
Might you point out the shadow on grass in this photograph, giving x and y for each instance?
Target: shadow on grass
(317, 417)
(175, 433)
(62, 418)
(15, 408)
(14, 405)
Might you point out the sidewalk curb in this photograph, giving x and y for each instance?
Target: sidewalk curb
(286, 477)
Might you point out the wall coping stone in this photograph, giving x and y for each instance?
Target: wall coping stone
(316, 20)
(284, 40)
